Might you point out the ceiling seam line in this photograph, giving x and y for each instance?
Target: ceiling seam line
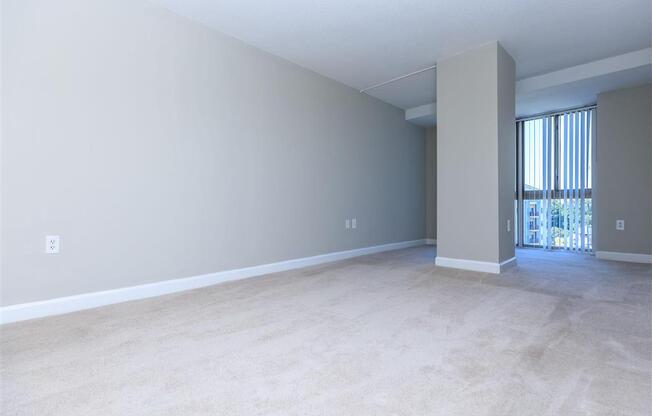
(431, 67)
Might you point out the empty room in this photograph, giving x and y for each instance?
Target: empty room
(299, 207)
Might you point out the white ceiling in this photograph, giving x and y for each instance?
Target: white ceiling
(559, 97)
(409, 92)
(567, 88)
(579, 93)
(364, 42)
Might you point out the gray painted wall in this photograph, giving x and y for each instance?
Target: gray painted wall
(475, 155)
(506, 152)
(160, 149)
(624, 170)
(431, 182)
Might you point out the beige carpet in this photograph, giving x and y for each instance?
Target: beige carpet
(387, 334)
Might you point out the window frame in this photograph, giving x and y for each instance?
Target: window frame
(521, 194)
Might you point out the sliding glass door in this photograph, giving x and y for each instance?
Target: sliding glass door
(554, 180)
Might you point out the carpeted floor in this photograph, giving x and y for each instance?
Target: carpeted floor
(386, 334)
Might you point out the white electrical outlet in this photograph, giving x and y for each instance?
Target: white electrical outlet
(620, 225)
(347, 224)
(354, 223)
(52, 244)
(509, 225)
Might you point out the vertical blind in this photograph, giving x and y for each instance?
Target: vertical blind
(554, 184)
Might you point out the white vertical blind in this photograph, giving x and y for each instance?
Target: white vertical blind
(554, 180)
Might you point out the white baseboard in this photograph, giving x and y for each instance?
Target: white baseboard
(431, 241)
(58, 306)
(476, 266)
(628, 257)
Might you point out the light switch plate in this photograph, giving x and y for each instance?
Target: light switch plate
(354, 223)
(347, 224)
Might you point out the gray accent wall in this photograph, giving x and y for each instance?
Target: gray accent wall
(159, 149)
(431, 182)
(475, 155)
(623, 188)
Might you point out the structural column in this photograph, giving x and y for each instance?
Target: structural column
(476, 159)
